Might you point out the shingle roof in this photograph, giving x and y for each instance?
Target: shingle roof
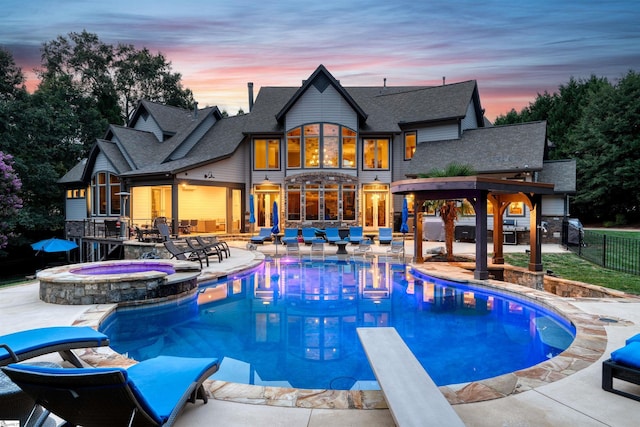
(74, 175)
(562, 173)
(512, 148)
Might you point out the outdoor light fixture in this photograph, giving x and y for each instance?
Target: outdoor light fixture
(376, 178)
(266, 178)
(209, 175)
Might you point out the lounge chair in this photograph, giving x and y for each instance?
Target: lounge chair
(355, 235)
(332, 235)
(185, 254)
(624, 365)
(396, 248)
(293, 247)
(290, 235)
(263, 236)
(204, 250)
(363, 247)
(385, 235)
(150, 393)
(222, 245)
(317, 247)
(23, 345)
(308, 235)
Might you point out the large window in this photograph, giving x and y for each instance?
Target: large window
(267, 154)
(105, 188)
(321, 145)
(409, 144)
(293, 203)
(376, 154)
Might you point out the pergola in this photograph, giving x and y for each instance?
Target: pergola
(478, 191)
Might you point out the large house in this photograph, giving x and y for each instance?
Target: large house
(324, 152)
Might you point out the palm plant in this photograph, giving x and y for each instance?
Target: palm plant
(449, 209)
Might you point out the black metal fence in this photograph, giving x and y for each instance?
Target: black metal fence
(613, 252)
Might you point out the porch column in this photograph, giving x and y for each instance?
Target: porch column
(535, 258)
(174, 207)
(498, 229)
(482, 271)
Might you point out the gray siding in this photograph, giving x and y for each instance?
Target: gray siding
(438, 133)
(76, 209)
(103, 164)
(553, 205)
(149, 125)
(469, 121)
(328, 106)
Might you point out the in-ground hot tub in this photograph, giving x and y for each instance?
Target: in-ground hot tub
(108, 282)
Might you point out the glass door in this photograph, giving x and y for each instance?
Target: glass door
(375, 207)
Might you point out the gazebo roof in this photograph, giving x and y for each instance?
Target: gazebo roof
(466, 186)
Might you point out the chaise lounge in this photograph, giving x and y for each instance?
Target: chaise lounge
(332, 235)
(23, 345)
(385, 235)
(624, 365)
(263, 236)
(150, 393)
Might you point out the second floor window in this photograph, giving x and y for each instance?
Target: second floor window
(409, 144)
(266, 154)
(321, 145)
(376, 154)
(105, 188)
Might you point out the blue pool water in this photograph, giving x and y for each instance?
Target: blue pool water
(293, 323)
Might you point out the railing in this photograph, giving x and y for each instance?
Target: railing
(612, 252)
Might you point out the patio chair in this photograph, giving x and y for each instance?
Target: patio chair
(308, 235)
(290, 235)
(623, 365)
(165, 233)
(355, 235)
(396, 248)
(222, 245)
(150, 393)
(317, 247)
(204, 249)
(293, 248)
(111, 228)
(185, 254)
(332, 235)
(363, 247)
(385, 235)
(263, 236)
(24, 345)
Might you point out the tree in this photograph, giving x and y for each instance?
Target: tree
(11, 77)
(607, 143)
(448, 209)
(115, 77)
(10, 201)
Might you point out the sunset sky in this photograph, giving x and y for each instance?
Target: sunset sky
(514, 50)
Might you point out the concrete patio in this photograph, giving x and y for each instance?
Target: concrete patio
(576, 400)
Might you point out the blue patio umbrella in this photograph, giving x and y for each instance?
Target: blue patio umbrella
(275, 229)
(252, 216)
(404, 227)
(54, 245)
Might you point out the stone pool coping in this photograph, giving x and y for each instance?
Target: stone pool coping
(588, 346)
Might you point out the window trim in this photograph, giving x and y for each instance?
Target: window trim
(415, 145)
(340, 135)
(278, 143)
(376, 139)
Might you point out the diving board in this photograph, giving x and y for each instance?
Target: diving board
(412, 396)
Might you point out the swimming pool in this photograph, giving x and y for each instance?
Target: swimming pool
(292, 323)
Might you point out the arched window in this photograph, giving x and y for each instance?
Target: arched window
(321, 146)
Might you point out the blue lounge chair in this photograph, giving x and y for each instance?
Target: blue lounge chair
(290, 236)
(308, 235)
(385, 235)
(150, 393)
(623, 365)
(332, 235)
(355, 234)
(24, 345)
(263, 236)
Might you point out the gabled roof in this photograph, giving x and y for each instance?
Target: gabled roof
(321, 78)
(170, 119)
(498, 149)
(74, 175)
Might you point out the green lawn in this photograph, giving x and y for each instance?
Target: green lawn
(570, 266)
